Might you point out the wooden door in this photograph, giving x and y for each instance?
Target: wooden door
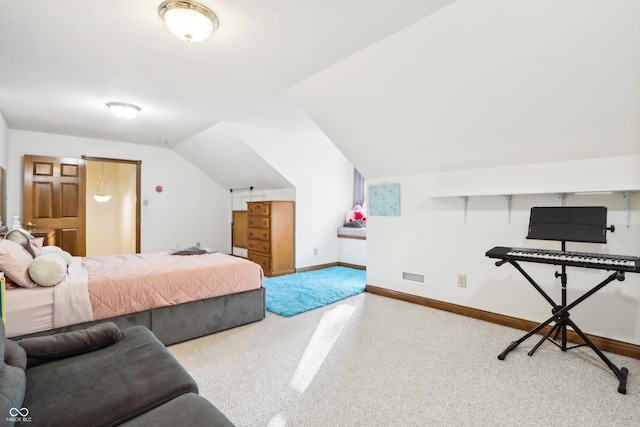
(239, 223)
(54, 198)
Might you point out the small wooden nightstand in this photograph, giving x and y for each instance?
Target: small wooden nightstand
(49, 235)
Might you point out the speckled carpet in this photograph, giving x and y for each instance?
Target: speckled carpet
(373, 361)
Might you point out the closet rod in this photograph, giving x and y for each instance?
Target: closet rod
(239, 189)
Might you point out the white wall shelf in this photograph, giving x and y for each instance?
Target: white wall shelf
(561, 196)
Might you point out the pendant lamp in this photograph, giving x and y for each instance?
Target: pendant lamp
(103, 194)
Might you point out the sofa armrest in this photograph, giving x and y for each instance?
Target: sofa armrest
(58, 346)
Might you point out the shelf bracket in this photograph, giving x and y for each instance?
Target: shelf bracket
(563, 198)
(627, 202)
(509, 205)
(465, 199)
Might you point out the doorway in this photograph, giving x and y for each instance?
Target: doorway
(113, 225)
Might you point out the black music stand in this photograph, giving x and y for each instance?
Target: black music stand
(574, 224)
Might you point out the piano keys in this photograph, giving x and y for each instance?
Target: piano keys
(573, 259)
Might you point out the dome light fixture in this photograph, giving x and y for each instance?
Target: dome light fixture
(188, 20)
(123, 110)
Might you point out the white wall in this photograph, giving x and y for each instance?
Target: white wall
(192, 208)
(4, 148)
(323, 180)
(4, 142)
(431, 236)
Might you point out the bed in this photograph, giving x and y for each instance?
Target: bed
(178, 297)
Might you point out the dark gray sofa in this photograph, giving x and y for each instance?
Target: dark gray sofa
(100, 376)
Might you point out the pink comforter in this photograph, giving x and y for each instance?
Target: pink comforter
(123, 284)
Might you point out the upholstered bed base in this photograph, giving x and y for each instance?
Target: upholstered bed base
(190, 320)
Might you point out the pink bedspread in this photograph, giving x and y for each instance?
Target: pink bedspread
(123, 284)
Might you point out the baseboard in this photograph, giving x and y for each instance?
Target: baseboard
(604, 344)
(331, 264)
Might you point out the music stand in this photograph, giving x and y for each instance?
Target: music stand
(574, 224)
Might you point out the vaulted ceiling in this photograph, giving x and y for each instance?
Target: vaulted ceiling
(427, 86)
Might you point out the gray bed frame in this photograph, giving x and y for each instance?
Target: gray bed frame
(177, 323)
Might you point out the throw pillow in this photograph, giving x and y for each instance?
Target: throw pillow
(65, 344)
(48, 269)
(15, 261)
(57, 249)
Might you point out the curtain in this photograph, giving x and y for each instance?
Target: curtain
(358, 188)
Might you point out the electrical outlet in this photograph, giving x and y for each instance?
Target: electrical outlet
(315, 251)
(462, 280)
(197, 244)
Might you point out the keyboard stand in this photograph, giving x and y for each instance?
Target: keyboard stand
(560, 318)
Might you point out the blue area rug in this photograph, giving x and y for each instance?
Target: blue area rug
(296, 293)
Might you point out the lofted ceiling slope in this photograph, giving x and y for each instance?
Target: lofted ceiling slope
(61, 61)
(487, 84)
(434, 85)
(228, 160)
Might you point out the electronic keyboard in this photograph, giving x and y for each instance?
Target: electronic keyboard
(573, 259)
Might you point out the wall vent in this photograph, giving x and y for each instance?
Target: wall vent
(414, 277)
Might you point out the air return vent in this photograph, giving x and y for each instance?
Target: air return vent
(420, 278)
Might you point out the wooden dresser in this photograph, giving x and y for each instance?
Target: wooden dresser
(270, 240)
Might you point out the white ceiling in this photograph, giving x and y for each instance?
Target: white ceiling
(430, 86)
(62, 60)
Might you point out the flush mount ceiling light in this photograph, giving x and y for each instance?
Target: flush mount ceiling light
(187, 20)
(123, 110)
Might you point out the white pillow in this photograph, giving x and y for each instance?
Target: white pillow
(48, 269)
(57, 249)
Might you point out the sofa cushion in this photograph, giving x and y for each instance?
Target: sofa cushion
(188, 409)
(12, 390)
(13, 380)
(15, 355)
(107, 386)
(65, 344)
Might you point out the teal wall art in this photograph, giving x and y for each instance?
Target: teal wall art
(384, 200)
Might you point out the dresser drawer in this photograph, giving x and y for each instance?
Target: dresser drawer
(263, 261)
(263, 246)
(259, 221)
(258, 233)
(259, 209)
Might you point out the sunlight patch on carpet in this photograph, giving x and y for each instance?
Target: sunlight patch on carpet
(299, 292)
(322, 341)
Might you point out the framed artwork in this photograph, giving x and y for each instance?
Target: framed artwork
(384, 200)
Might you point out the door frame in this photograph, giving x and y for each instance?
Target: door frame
(138, 164)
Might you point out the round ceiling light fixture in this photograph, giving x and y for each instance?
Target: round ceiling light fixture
(187, 20)
(123, 110)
